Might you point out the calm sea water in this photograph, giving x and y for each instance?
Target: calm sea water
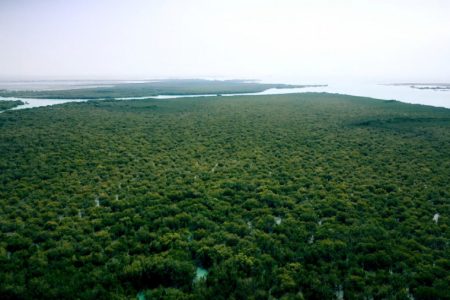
(403, 93)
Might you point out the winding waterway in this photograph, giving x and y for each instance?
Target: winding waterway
(403, 93)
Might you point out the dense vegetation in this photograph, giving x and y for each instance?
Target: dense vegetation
(313, 196)
(163, 87)
(8, 104)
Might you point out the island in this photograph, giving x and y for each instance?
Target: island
(153, 88)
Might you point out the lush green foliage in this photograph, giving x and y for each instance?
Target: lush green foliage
(289, 196)
(163, 87)
(8, 104)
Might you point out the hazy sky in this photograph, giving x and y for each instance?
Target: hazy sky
(292, 40)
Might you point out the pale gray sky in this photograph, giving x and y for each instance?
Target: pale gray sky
(290, 40)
